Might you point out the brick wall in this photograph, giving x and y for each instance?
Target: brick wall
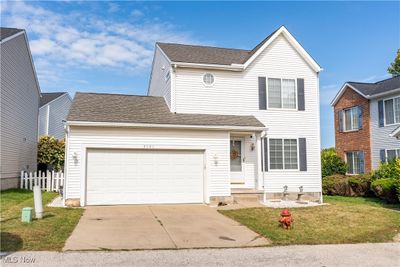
(358, 140)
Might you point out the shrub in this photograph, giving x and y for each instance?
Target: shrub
(386, 189)
(331, 163)
(51, 152)
(388, 170)
(342, 185)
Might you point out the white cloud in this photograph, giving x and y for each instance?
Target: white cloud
(60, 40)
(375, 78)
(136, 13)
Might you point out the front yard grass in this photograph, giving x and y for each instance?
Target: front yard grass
(49, 233)
(345, 220)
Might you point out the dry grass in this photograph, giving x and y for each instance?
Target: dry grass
(345, 220)
(49, 233)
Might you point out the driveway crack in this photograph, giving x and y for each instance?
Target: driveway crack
(162, 225)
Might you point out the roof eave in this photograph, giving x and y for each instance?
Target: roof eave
(173, 126)
(341, 91)
(233, 67)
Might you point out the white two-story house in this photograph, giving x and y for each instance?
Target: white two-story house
(215, 122)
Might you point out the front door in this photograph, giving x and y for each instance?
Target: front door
(236, 160)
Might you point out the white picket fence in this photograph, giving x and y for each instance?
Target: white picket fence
(49, 181)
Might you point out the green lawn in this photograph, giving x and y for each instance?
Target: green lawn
(48, 233)
(345, 220)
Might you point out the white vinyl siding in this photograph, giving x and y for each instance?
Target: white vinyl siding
(161, 77)
(56, 111)
(236, 93)
(380, 136)
(214, 143)
(19, 110)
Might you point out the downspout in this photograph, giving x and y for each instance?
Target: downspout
(262, 136)
(67, 129)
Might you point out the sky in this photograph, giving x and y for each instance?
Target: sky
(108, 46)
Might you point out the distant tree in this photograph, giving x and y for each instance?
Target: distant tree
(331, 163)
(394, 68)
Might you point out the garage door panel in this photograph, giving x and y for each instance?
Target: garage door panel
(144, 177)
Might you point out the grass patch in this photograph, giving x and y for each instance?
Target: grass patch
(50, 233)
(345, 220)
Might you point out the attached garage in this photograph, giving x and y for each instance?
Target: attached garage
(130, 176)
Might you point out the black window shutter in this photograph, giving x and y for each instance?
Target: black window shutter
(300, 95)
(265, 154)
(380, 111)
(360, 117)
(303, 154)
(262, 93)
(340, 117)
(382, 154)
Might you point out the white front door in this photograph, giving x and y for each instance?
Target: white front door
(237, 160)
(118, 176)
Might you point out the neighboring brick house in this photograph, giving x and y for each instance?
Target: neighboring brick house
(366, 116)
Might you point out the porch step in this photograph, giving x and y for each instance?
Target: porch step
(246, 194)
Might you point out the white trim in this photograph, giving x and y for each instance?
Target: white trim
(149, 125)
(240, 67)
(395, 151)
(47, 120)
(202, 79)
(66, 93)
(283, 154)
(352, 119)
(83, 162)
(12, 36)
(396, 133)
(267, 94)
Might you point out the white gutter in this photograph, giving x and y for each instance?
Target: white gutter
(174, 126)
(233, 67)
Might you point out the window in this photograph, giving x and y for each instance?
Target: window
(392, 154)
(355, 162)
(167, 75)
(351, 119)
(208, 79)
(283, 154)
(392, 111)
(282, 93)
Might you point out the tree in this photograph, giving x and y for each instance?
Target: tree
(394, 68)
(331, 163)
(51, 152)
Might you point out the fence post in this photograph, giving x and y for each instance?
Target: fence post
(22, 179)
(48, 181)
(30, 180)
(52, 181)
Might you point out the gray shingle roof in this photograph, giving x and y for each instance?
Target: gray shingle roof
(370, 89)
(207, 54)
(47, 97)
(93, 107)
(7, 32)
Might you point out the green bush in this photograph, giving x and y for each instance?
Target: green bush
(51, 152)
(331, 163)
(387, 189)
(342, 185)
(388, 170)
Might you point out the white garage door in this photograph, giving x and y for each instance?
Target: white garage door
(144, 176)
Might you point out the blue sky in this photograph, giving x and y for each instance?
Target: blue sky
(108, 46)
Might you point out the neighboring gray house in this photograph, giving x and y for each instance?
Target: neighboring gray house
(20, 94)
(53, 111)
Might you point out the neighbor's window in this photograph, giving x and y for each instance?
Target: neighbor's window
(355, 162)
(208, 79)
(282, 93)
(392, 154)
(351, 117)
(167, 75)
(392, 111)
(283, 154)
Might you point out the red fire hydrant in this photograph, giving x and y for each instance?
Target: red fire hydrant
(286, 220)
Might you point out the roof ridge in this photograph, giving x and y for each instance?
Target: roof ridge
(207, 46)
(398, 76)
(116, 94)
(54, 92)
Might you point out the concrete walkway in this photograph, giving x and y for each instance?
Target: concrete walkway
(158, 227)
(322, 255)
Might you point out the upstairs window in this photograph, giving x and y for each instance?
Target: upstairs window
(392, 111)
(351, 119)
(282, 93)
(208, 79)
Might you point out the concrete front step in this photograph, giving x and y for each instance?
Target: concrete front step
(246, 194)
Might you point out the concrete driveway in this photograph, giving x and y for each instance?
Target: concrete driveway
(158, 227)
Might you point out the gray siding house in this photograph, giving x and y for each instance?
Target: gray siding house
(20, 94)
(53, 112)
